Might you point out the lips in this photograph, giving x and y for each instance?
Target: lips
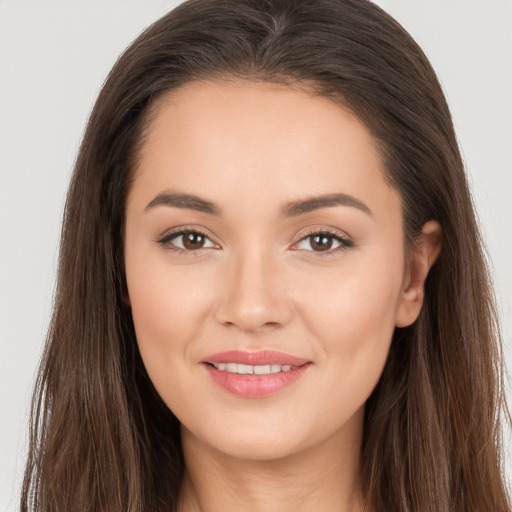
(254, 374)
(249, 369)
(261, 357)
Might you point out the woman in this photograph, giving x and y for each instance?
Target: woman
(271, 291)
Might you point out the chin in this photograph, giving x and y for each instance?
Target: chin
(261, 450)
(255, 443)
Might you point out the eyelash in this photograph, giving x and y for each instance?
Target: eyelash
(344, 242)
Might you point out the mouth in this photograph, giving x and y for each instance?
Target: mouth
(248, 369)
(255, 374)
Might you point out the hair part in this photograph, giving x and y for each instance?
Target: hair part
(102, 438)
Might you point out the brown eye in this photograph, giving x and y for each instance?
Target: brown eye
(186, 241)
(321, 242)
(193, 240)
(324, 242)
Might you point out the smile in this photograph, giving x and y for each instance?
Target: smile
(248, 369)
(255, 374)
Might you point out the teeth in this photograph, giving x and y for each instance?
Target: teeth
(262, 370)
(245, 369)
(248, 369)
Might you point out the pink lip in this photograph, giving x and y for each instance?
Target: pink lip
(255, 386)
(261, 357)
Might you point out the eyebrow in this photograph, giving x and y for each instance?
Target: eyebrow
(291, 209)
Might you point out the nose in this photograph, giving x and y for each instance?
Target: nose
(252, 291)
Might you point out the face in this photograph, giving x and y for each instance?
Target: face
(264, 257)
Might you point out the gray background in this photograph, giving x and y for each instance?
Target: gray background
(54, 56)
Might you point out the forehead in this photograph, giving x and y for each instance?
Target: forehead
(258, 141)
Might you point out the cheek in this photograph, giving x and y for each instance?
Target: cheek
(165, 303)
(355, 306)
(166, 309)
(353, 316)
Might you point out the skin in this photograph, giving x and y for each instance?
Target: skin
(258, 282)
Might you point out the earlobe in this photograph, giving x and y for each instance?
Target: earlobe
(424, 254)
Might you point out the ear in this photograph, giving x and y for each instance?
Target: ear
(424, 254)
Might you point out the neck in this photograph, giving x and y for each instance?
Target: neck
(320, 478)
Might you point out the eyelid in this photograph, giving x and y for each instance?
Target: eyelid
(345, 241)
(165, 239)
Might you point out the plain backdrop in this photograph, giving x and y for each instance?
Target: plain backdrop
(54, 56)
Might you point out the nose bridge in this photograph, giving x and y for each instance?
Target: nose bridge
(253, 292)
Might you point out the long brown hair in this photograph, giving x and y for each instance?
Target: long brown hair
(101, 437)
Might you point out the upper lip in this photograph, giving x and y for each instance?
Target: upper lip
(257, 358)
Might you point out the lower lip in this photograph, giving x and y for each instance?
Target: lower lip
(255, 386)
